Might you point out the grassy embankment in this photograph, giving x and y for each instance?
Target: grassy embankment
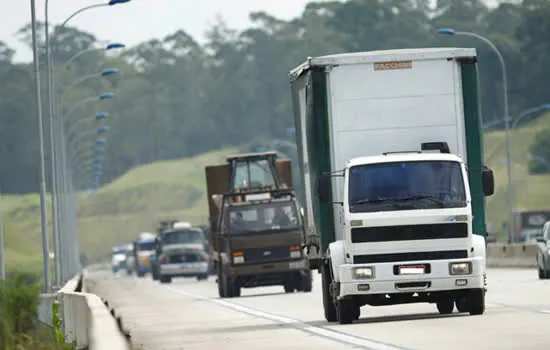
(136, 201)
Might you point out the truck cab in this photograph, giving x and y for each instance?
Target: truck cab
(257, 232)
(181, 252)
(144, 249)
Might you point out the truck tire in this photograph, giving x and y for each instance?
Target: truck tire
(289, 288)
(306, 282)
(221, 288)
(445, 306)
(462, 304)
(476, 302)
(328, 304)
(202, 277)
(346, 310)
(165, 279)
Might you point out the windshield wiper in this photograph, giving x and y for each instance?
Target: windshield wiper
(402, 199)
(411, 198)
(386, 201)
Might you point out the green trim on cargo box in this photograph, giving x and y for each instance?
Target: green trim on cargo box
(319, 146)
(474, 142)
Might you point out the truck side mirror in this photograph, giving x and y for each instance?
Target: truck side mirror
(488, 181)
(323, 188)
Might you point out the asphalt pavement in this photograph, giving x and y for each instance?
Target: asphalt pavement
(187, 314)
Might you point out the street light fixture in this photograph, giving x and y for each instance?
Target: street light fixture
(109, 47)
(101, 116)
(511, 190)
(103, 129)
(50, 50)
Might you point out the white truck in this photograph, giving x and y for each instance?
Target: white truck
(390, 147)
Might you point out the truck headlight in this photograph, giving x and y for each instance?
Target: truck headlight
(361, 273)
(460, 268)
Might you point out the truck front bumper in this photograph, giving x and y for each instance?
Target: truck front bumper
(387, 280)
(184, 269)
(269, 273)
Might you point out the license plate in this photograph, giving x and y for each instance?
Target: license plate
(411, 270)
(296, 265)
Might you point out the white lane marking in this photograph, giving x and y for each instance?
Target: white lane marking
(545, 311)
(326, 333)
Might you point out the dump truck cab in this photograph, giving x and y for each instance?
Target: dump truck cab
(256, 228)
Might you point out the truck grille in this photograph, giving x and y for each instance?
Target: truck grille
(266, 254)
(408, 233)
(416, 256)
(182, 258)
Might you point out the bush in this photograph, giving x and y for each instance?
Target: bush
(19, 326)
(540, 153)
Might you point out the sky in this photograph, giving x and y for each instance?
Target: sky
(140, 20)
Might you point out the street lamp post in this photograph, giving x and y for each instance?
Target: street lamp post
(50, 49)
(2, 263)
(509, 170)
(43, 213)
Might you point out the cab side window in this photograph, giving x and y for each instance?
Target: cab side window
(546, 232)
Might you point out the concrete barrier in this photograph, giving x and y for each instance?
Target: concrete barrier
(86, 320)
(511, 255)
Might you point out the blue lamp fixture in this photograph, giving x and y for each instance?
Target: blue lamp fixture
(103, 129)
(106, 96)
(113, 46)
(109, 71)
(100, 141)
(446, 31)
(99, 151)
(101, 116)
(116, 2)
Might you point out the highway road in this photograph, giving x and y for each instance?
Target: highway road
(188, 314)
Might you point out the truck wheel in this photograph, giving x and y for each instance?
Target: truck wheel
(328, 304)
(306, 282)
(346, 310)
(476, 301)
(445, 306)
(462, 304)
(289, 288)
(202, 277)
(221, 287)
(165, 279)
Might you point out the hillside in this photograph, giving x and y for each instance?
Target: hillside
(532, 192)
(135, 201)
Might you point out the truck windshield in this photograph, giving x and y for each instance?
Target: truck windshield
(182, 237)
(146, 246)
(406, 186)
(263, 217)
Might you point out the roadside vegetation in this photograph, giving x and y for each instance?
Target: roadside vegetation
(20, 328)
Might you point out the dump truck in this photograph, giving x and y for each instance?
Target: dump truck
(255, 225)
(390, 149)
